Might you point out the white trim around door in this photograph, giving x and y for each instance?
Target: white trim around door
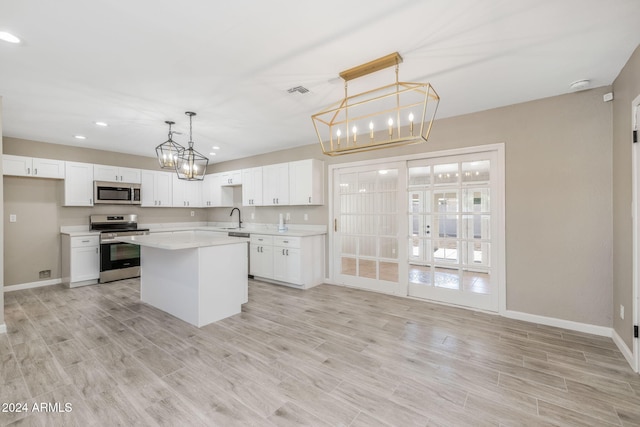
(499, 195)
(635, 160)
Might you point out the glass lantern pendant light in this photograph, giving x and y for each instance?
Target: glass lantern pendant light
(191, 165)
(168, 151)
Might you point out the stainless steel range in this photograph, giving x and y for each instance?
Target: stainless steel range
(118, 260)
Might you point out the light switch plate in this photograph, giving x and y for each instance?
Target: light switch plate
(13, 218)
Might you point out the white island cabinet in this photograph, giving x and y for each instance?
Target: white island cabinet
(198, 277)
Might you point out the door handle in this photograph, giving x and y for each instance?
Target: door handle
(335, 224)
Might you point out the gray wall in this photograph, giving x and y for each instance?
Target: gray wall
(558, 198)
(625, 88)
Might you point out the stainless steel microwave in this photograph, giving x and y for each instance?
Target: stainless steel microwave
(116, 193)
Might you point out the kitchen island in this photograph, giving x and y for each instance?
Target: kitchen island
(198, 277)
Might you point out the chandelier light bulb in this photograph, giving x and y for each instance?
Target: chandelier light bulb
(390, 127)
(411, 123)
(338, 133)
(354, 130)
(371, 130)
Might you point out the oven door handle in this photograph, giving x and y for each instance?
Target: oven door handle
(107, 241)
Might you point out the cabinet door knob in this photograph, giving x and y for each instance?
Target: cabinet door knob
(309, 199)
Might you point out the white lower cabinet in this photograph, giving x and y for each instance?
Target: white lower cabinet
(287, 262)
(261, 257)
(281, 259)
(80, 260)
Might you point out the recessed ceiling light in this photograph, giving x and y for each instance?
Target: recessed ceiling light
(580, 84)
(79, 137)
(8, 37)
(103, 124)
(215, 147)
(212, 154)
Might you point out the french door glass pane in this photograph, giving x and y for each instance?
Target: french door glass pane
(389, 271)
(419, 175)
(420, 275)
(476, 200)
(367, 268)
(389, 247)
(476, 171)
(445, 174)
(348, 266)
(447, 278)
(367, 246)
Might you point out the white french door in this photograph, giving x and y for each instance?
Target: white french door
(369, 225)
(427, 228)
(451, 230)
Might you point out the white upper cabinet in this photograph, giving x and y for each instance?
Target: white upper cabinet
(252, 187)
(116, 174)
(78, 184)
(275, 184)
(306, 182)
(231, 178)
(186, 194)
(156, 189)
(33, 167)
(214, 194)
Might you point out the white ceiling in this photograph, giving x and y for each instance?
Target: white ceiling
(136, 64)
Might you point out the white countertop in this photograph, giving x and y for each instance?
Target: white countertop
(267, 231)
(175, 241)
(294, 230)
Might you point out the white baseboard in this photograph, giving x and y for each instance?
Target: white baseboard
(626, 351)
(3, 329)
(30, 285)
(560, 323)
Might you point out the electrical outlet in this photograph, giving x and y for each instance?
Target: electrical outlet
(288, 216)
(13, 218)
(44, 274)
(193, 213)
(253, 215)
(622, 311)
(306, 217)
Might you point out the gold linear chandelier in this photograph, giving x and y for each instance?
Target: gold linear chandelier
(389, 116)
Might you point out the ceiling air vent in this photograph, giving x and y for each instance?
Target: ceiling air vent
(299, 89)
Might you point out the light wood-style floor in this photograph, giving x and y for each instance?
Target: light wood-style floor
(326, 356)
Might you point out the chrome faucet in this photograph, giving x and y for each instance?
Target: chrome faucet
(239, 216)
